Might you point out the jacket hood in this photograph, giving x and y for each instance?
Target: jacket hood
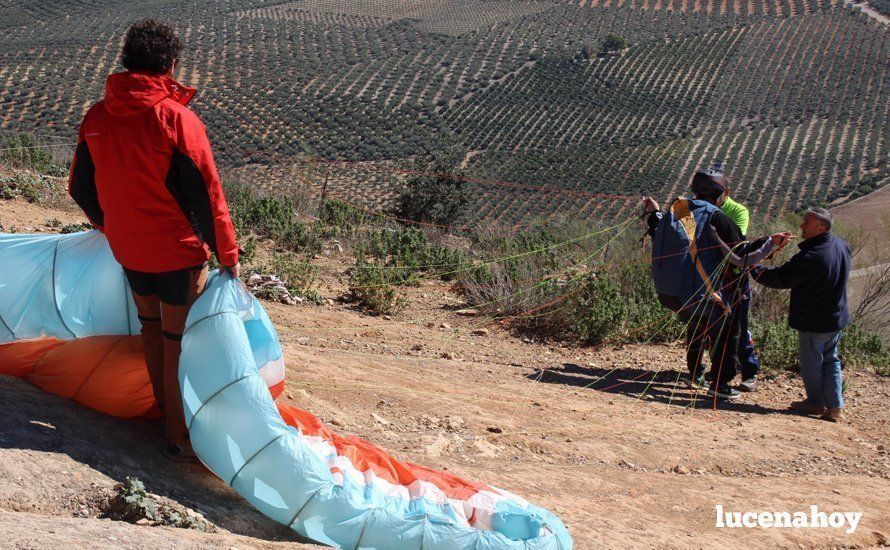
(129, 93)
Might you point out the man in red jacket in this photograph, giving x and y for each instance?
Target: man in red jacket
(144, 174)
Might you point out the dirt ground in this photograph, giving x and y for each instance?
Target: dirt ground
(605, 438)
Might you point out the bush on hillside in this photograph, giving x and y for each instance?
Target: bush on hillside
(613, 43)
(542, 285)
(340, 219)
(374, 287)
(27, 186)
(299, 276)
(859, 347)
(408, 253)
(435, 192)
(270, 216)
(646, 319)
(599, 309)
(75, 228)
(26, 152)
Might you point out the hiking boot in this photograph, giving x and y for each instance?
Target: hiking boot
(179, 453)
(697, 384)
(805, 407)
(832, 415)
(748, 385)
(723, 392)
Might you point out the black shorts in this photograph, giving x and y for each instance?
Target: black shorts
(171, 287)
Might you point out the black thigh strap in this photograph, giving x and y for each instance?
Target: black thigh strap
(172, 336)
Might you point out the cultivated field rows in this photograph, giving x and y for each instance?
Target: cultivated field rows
(791, 94)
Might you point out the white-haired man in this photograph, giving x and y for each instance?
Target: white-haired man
(817, 277)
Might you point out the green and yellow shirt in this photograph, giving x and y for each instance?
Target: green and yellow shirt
(737, 213)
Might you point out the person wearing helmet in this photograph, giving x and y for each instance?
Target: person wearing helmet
(693, 241)
(748, 362)
(143, 173)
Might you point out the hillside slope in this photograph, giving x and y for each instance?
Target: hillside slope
(789, 93)
(606, 439)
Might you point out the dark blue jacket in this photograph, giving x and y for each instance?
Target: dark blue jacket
(817, 277)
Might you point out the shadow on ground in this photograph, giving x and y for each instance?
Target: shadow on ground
(667, 386)
(120, 448)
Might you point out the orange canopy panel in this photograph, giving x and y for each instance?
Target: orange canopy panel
(20, 358)
(106, 373)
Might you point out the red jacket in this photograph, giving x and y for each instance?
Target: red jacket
(144, 174)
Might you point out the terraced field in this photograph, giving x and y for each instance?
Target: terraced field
(739, 7)
(791, 94)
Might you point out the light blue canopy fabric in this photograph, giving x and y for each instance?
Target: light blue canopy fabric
(238, 433)
(70, 286)
(62, 286)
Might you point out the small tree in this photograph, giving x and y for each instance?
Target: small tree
(435, 191)
(613, 43)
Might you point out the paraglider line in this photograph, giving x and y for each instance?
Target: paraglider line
(665, 317)
(254, 455)
(127, 302)
(98, 364)
(9, 328)
(217, 314)
(723, 321)
(217, 392)
(55, 297)
(303, 507)
(471, 266)
(361, 535)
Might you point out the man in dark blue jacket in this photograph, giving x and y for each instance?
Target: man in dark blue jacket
(817, 277)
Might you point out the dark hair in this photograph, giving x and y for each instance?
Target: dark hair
(150, 47)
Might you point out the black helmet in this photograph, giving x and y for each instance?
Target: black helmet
(710, 182)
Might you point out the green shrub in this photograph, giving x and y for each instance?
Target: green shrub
(861, 347)
(25, 152)
(406, 253)
(374, 288)
(446, 262)
(600, 310)
(248, 246)
(270, 216)
(299, 276)
(266, 215)
(75, 227)
(545, 282)
(30, 187)
(7, 192)
(613, 43)
(533, 278)
(400, 251)
(777, 346)
(30, 193)
(298, 237)
(435, 191)
(646, 319)
(340, 219)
